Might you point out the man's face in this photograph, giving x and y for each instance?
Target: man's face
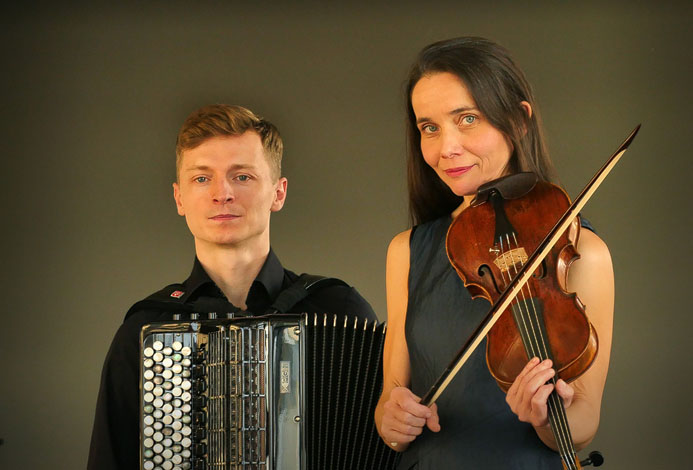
(226, 190)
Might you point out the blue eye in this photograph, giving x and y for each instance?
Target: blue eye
(201, 179)
(243, 178)
(428, 129)
(469, 119)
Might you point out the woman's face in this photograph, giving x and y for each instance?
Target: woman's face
(457, 141)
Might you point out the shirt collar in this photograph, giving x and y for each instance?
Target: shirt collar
(271, 277)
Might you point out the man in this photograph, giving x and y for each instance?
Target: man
(228, 182)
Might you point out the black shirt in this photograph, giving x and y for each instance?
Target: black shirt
(116, 433)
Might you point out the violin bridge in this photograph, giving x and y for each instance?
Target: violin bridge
(511, 261)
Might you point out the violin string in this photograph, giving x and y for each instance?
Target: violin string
(559, 415)
(536, 345)
(557, 411)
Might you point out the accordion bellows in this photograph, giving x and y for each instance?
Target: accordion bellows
(262, 393)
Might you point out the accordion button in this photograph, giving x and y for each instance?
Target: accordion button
(167, 351)
(158, 345)
(177, 345)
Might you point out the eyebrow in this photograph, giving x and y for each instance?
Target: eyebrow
(461, 109)
(235, 166)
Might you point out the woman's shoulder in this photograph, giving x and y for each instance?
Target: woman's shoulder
(399, 245)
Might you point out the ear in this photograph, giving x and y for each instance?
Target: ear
(527, 107)
(177, 198)
(279, 195)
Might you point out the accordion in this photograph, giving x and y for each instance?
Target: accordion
(262, 393)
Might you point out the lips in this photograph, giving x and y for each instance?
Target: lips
(457, 171)
(224, 217)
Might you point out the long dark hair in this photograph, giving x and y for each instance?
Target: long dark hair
(498, 87)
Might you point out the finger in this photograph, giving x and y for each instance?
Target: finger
(527, 386)
(433, 422)
(525, 370)
(401, 419)
(411, 405)
(539, 410)
(565, 391)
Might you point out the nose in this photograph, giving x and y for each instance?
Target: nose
(222, 192)
(451, 144)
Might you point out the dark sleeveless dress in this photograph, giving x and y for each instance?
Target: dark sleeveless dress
(478, 429)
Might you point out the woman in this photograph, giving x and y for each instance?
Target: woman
(472, 118)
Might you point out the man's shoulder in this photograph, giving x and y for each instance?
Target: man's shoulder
(331, 295)
(170, 298)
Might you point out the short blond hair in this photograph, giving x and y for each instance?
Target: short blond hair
(218, 120)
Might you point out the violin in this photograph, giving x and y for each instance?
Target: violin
(487, 244)
(514, 246)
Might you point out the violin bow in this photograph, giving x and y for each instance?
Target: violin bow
(524, 274)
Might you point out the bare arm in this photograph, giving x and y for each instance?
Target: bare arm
(398, 416)
(592, 278)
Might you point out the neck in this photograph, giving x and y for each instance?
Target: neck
(467, 201)
(233, 268)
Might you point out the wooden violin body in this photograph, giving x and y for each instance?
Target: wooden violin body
(487, 245)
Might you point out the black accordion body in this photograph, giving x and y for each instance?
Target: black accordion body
(262, 393)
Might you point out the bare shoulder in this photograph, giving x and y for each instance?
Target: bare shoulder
(592, 247)
(397, 275)
(595, 258)
(398, 250)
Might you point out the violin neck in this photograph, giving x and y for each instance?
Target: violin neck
(558, 420)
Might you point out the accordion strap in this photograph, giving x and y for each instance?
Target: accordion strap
(300, 289)
(173, 298)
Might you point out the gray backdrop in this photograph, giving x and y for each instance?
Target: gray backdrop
(93, 98)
